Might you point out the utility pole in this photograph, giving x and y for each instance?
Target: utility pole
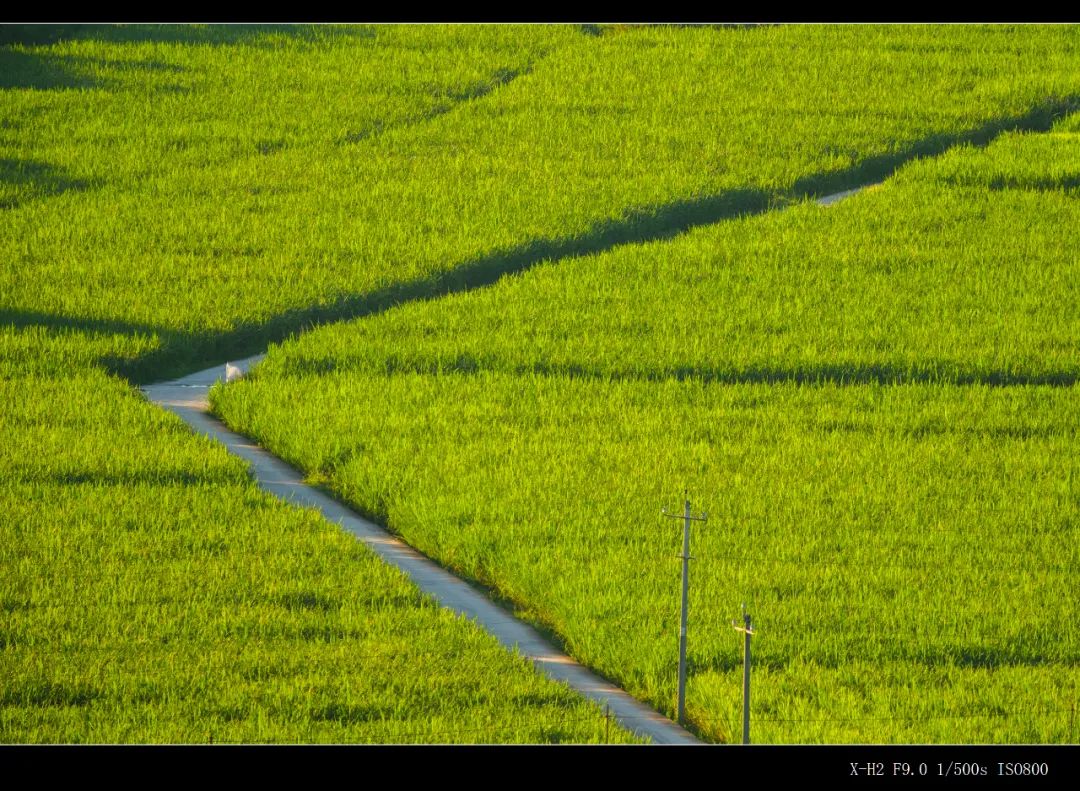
(687, 518)
(747, 631)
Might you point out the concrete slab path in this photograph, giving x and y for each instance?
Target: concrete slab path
(187, 397)
(829, 200)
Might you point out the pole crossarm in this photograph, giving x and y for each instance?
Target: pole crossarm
(703, 518)
(686, 557)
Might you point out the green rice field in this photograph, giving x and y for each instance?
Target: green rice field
(876, 402)
(152, 593)
(242, 184)
(522, 287)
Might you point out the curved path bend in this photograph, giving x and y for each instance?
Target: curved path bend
(187, 398)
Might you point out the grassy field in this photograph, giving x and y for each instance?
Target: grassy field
(175, 196)
(150, 592)
(962, 270)
(875, 402)
(261, 183)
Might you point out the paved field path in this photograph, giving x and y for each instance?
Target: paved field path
(186, 397)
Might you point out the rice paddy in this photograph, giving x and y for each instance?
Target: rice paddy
(568, 286)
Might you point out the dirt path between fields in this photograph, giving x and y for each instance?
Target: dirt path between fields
(187, 398)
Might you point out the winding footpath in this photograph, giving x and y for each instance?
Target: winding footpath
(187, 398)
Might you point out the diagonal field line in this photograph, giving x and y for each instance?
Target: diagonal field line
(187, 398)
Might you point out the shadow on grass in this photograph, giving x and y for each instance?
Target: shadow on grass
(41, 693)
(449, 101)
(1070, 183)
(931, 372)
(45, 70)
(127, 479)
(217, 35)
(20, 319)
(185, 352)
(1038, 119)
(151, 66)
(40, 72)
(987, 657)
(23, 180)
(621, 28)
(352, 714)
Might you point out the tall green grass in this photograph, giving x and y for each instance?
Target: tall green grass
(877, 527)
(174, 196)
(961, 269)
(150, 592)
(875, 403)
(237, 181)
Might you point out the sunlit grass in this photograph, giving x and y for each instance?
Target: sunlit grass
(176, 196)
(151, 593)
(875, 403)
(257, 185)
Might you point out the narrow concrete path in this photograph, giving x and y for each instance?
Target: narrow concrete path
(829, 200)
(187, 397)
